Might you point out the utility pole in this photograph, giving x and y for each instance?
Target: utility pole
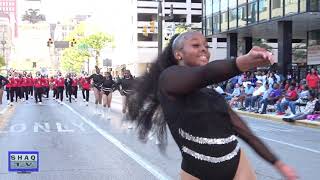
(162, 17)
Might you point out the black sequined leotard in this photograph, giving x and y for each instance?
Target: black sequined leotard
(202, 124)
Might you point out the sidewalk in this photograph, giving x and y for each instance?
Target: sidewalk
(273, 117)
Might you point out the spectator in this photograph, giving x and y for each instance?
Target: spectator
(310, 108)
(265, 95)
(252, 79)
(238, 99)
(289, 100)
(235, 94)
(273, 97)
(256, 95)
(312, 79)
(304, 94)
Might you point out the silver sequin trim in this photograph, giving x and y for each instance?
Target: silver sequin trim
(202, 140)
(209, 158)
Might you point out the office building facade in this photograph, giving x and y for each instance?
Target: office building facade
(284, 22)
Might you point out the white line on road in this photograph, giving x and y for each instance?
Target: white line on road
(292, 145)
(145, 164)
(4, 110)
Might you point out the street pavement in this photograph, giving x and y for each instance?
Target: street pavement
(75, 143)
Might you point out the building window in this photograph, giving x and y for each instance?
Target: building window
(224, 21)
(232, 4)
(291, 7)
(149, 37)
(216, 23)
(313, 47)
(216, 6)
(175, 1)
(209, 26)
(277, 8)
(303, 5)
(242, 15)
(252, 12)
(195, 18)
(208, 6)
(196, 1)
(224, 5)
(314, 5)
(263, 10)
(232, 18)
(146, 17)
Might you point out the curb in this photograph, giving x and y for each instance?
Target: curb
(307, 123)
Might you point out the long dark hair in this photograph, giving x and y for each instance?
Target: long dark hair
(144, 106)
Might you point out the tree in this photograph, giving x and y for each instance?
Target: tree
(2, 61)
(32, 16)
(181, 28)
(72, 60)
(261, 43)
(97, 42)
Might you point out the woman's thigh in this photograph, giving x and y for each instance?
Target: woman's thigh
(244, 171)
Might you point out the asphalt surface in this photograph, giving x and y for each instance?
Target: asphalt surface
(75, 143)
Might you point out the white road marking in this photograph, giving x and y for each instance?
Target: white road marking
(45, 128)
(145, 164)
(4, 110)
(18, 128)
(292, 145)
(60, 129)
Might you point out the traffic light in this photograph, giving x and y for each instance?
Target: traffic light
(49, 42)
(145, 31)
(73, 42)
(152, 26)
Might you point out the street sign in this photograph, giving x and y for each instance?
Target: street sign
(61, 44)
(23, 161)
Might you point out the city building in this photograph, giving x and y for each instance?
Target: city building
(136, 31)
(9, 8)
(6, 35)
(281, 22)
(145, 34)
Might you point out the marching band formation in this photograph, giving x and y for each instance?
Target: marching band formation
(24, 86)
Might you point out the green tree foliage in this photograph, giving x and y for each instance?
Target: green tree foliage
(261, 43)
(72, 60)
(181, 28)
(2, 61)
(97, 42)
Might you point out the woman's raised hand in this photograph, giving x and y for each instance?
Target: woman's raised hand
(257, 57)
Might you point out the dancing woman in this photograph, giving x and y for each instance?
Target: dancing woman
(97, 79)
(202, 124)
(107, 89)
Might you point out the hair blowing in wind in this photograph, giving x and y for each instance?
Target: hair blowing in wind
(144, 106)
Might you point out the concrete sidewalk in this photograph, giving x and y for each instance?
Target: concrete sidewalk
(308, 123)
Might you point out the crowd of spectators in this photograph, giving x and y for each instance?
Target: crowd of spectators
(266, 91)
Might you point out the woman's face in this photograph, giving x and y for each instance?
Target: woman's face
(195, 50)
(313, 71)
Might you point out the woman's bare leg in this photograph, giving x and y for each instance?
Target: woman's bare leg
(244, 171)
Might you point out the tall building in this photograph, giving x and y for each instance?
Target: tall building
(9, 8)
(142, 22)
(280, 22)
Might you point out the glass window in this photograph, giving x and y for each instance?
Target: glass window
(314, 4)
(277, 8)
(232, 4)
(232, 18)
(240, 2)
(291, 6)
(263, 10)
(216, 6)
(224, 21)
(252, 12)
(303, 5)
(208, 6)
(216, 23)
(209, 26)
(224, 5)
(242, 16)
